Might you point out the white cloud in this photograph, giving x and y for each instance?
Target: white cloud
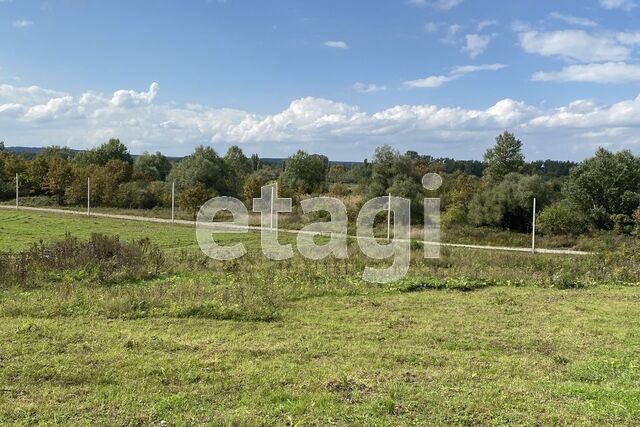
(36, 116)
(437, 4)
(464, 69)
(609, 72)
(368, 87)
(476, 44)
(573, 20)
(486, 24)
(130, 98)
(456, 73)
(618, 4)
(336, 44)
(22, 23)
(430, 81)
(579, 45)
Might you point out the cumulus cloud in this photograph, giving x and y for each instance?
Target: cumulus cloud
(580, 45)
(609, 72)
(573, 20)
(618, 4)
(336, 44)
(368, 87)
(28, 117)
(456, 73)
(130, 98)
(476, 44)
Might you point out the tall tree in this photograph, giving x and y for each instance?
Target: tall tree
(305, 172)
(203, 166)
(237, 167)
(504, 158)
(151, 167)
(111, 150)
(58, 177)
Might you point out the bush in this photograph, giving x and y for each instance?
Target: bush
(562, 217)
(339, 190)
(623, 224)
(508, 203)
(102, 259)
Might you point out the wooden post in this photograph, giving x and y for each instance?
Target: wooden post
(88, 196)
(173, 201)
(533, 229)
(17, 191)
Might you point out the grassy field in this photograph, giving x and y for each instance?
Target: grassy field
(475, 338)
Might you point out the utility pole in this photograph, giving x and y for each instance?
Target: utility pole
(533, 229)
(173, 201)
(88, 196)
(17, 191)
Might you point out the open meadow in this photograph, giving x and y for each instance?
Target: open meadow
(99, 331)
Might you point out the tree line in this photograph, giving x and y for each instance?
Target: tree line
(601, 193)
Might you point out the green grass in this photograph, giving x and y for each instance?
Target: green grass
(475, 338)
(18, 230)
(496, 356)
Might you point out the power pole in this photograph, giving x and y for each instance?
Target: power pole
(533, 229)
(88, 196)
(173, 201)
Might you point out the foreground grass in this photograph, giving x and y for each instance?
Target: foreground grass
(494, 356)
(474, 338)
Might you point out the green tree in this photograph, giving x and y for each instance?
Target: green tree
(194, 196)
(504, 158)
(237, 167)
(204, 166)
(111, 150)
(305, 173)
(251, 188)
(508, 204)
(151, 167)
(388, 164)
(605, 185)
(56, 151)
(58, 177)
(256, 163)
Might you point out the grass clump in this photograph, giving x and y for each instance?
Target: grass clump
(100, 260)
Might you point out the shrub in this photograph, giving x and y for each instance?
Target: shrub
(102, 259)
(339, 190)
(622, 224)
(562, 217)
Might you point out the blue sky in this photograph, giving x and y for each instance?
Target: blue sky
(441, 77)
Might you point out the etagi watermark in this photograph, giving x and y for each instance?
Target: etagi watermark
(397, 248)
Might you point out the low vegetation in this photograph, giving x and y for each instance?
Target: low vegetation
(125, 330)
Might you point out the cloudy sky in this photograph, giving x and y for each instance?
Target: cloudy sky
(337, 77)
